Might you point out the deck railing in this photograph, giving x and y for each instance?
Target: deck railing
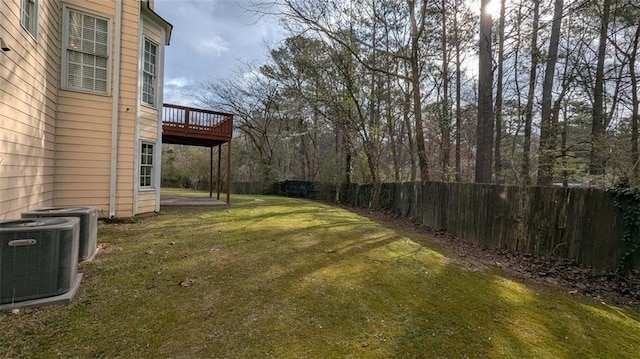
(195, 122)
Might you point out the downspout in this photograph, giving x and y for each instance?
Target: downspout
(115, 111)
(157, 160)
(136, 145)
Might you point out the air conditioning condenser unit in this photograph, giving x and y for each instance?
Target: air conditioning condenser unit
(88, 226)
(38, 261)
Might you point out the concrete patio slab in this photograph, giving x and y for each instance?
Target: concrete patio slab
(185, 201)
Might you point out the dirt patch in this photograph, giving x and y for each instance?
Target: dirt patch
(562, 273)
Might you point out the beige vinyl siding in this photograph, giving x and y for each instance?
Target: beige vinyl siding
(83, 150)
(148, 118)
(85, 121)
(29, 75)
(149, 124)
(146, 201)
(55, 145)
(128, 97)
(148, 114)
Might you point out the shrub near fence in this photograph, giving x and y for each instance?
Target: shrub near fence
(253, 188)
(575, 223)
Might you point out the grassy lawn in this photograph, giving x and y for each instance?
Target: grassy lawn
(285, 278)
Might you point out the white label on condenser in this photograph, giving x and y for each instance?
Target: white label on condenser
(22, 242)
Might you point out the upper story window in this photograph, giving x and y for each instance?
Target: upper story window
(86, 52)
(149, 71)
(29, 16)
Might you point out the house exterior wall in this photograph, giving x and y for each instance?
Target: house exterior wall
(84, 138)
(56, 144)
(29, 76)
(148, 120)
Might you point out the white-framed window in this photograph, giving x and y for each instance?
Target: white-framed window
(149, 72)
(86, 52)
(146, 164)
(29, 16)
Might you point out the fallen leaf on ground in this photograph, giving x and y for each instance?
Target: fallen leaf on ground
(186, 282)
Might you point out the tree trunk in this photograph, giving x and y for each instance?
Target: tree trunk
(347, 161)
(498, 109)
(417, 93)
(564, 150)
(458, 99)
(635, 115)
(406, 110)
(548, 130)
(391, 127)
(484, 147)
(374, 110)
(446, 122)
(596, 165)
(528, 111)
(304, 161)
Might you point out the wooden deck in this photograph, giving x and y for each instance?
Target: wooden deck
(182, 125)
(195, 127)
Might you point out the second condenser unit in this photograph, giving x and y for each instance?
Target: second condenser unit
(88, 225)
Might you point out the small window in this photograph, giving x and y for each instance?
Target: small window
(86, 52)
(146, 165)
(29, 16)
(149, 72)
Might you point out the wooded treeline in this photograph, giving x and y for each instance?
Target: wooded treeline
(372, 91)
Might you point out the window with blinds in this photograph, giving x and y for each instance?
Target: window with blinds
(149, 72)
(87, 49)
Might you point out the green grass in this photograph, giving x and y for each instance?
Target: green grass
(286, 278)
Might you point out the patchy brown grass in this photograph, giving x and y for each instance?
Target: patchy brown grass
(286, 278)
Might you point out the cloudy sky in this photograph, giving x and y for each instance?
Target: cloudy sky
(210, 40)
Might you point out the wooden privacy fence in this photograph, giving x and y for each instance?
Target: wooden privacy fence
(574, 223)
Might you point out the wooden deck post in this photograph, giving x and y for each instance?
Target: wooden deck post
(210, 171)
(186, 121)
(229, 172)
(219, 178)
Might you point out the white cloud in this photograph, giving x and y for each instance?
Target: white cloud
(180, 91)
(179, 96)
(212, 45)
(178, 82)
(211, 40)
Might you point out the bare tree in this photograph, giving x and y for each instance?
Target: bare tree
(484, 130)
(499, 92)
(635, 111)
(596, 165)
(548, 129)
(528, 111)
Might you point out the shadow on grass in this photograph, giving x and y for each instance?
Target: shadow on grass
(340, 288)
(291, 279)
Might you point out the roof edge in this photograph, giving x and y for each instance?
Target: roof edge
(145, 7)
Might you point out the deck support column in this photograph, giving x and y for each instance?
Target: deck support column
(229, 172)
(219, 178)
(210, 171)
